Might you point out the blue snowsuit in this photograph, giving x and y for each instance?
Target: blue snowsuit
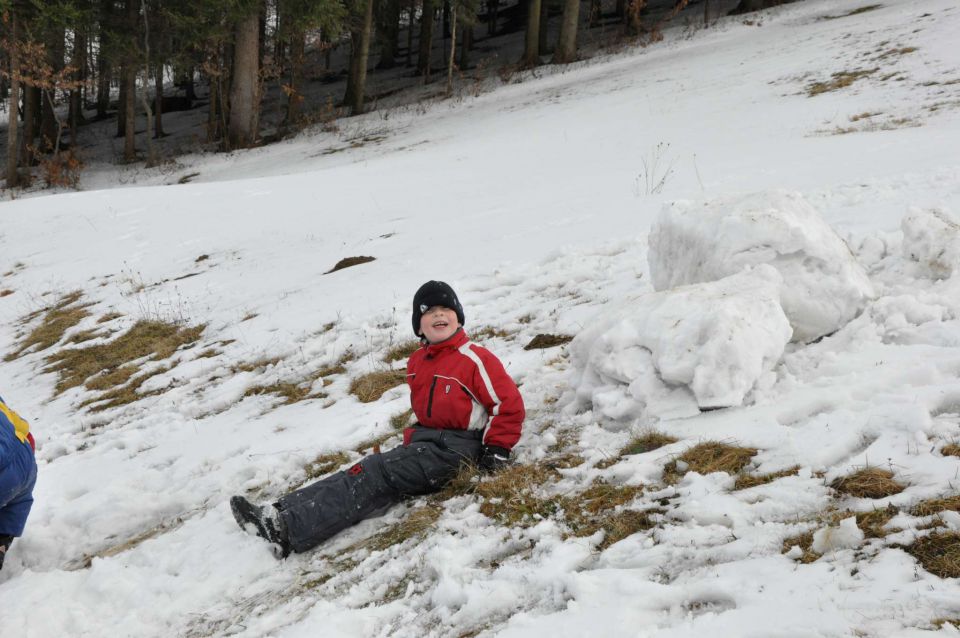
(18, 472)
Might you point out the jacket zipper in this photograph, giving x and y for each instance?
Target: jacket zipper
(433, 385)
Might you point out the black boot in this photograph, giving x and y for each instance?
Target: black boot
(265, 522)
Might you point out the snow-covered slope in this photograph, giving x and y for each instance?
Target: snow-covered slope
(534, 202)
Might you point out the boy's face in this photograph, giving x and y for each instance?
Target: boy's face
(438, 323)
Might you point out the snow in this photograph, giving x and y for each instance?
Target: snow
(671, 353)
(932, 238)
(530, 201)
(824, 286)
(846, 535)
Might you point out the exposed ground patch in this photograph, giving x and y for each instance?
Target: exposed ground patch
(868, 482)
(371, 386)
(543, 341)
(55, 320)
(349, 262)
(706, 458)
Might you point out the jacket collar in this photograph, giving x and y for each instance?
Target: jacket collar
(453, 342)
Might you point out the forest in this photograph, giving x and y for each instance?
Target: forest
(66, 63)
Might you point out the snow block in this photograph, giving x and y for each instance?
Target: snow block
(824, 285)
(932, 238)
(671, 353)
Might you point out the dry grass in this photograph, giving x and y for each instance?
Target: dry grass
(869, 482)
(6, 292)
(873, 523)
(348, 262)
(256, 364)
(156, 340)
(940, 622)
(543, 341)
(402, 351)
(371, 386)
(401, 420)
(745, 481)
(510, 497)
(939, 553)
(706, 458)
(647, 442)
(803, 541)
(325, 464)
(288, 391)
(838, 80)
(489, 332)
(128, 393)
(950, 449)
(896, 52)
(59, 318)
(936, 506)
(372, 446)
(416, 524)
(858, 11)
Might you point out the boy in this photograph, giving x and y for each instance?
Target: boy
(468, 410)
(18, 475)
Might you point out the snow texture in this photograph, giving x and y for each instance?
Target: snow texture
(846, 535)
(711, 340)
(932, 238)
(824, 286)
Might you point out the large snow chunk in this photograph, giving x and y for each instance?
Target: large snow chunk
(824, 286)
(932, 238)
(671, 353)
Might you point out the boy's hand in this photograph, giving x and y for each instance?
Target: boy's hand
(493, 458)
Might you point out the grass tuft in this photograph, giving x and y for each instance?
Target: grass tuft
(803, 541)
(706, 458)
(745, 481)
(290, 392)
(950, 449)
(371, 386)
(157, 340)
(869, 482)
(325, 464)
(838, 80)
(415, 524)
(543, 341)
(400, 421)
(647, 442)
(402, 351)
(857, 11)
(489, 332)
(57, 319)
(6, 292)
(936, 505)
(939, 553)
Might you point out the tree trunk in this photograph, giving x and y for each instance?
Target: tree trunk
(544, 27)
(213, 115)
(596, 9)
(706, 13)
(129, 112)
(466, 45)
(567, 44)
(122, 102)
(103, 86)
(13, 106)
(295, 98)
(453, 46)
(76, 94)
(531, 54)
(158, 102)
(493, 8)
(426, 40)
(389, 31)
(360, 43)
(413, 12)
(244, 119)
(31, 108)
(49, 125)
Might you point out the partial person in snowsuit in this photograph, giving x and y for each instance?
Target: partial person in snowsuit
(468, 410)
(18, 475)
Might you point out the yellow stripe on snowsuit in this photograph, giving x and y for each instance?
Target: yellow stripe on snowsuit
(20, 426)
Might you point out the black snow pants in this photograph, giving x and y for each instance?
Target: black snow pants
(320, 510)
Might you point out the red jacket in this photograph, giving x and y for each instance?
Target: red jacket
(456, 384)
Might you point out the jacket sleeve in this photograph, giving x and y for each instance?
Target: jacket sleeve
(501, 399)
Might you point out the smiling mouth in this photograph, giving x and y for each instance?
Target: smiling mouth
(440, 324)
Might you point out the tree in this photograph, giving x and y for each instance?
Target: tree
(426, 39)
(567, 44)
(13, 164)
(531, 51)
(244, 116)
(360, 36)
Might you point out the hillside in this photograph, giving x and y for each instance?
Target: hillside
(233, 346)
